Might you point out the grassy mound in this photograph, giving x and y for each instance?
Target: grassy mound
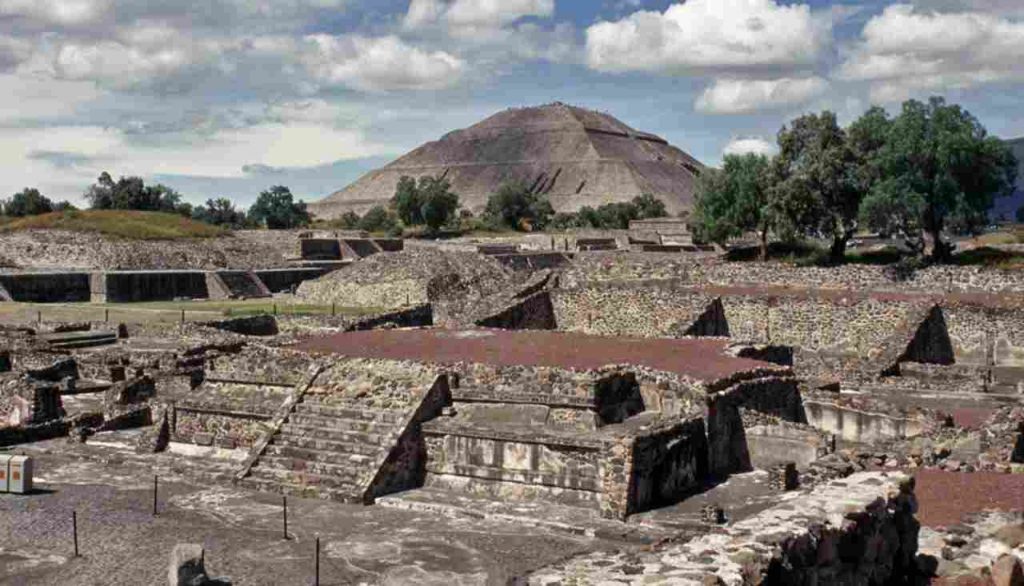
(129, 224)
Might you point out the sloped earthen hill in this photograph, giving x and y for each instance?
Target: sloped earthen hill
(575, 156)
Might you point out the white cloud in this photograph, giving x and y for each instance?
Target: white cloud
(750, 144)
(709, 34)
(474, 16)
(380, 64)
(741, 96)
(904, 51)
(56, 12)
(120, 65)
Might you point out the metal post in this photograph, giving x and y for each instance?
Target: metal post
(275, 309)
(316, 580)
(334, 309)
(106, 315)
(74, 529)
(284, 506)
(39, 316)
(182, 316)
(154, 494)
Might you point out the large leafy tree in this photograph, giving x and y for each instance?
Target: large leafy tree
(515, 206)
(820, 195)
(277, 209)
(736, 199)
(28, 202)
(429, 202)
(132, 193)
(939, 168)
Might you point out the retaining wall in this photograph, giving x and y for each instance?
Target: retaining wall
(46, 287)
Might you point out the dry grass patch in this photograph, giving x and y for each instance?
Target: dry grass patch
(128, 224)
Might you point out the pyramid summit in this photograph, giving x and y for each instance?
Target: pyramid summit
(575, 156)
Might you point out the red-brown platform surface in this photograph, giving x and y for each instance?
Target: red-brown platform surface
(945, 497)
(702, 359)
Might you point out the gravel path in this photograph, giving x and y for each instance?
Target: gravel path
(944, 497)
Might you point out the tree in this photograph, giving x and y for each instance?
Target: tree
(132, 193)
(515, 206)
(27, 202)
(736, 199)
(648, 206)
(820, 195)
(348, 221)
(220, 212)
(939, 169)
(378, 219)
(276, 209)
(430, 202)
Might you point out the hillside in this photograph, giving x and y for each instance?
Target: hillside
(112, 240)
(133, 225)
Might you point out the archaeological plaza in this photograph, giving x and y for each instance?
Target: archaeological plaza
(581, 407)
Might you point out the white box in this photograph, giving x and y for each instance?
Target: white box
(20, 475)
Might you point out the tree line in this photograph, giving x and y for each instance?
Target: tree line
(930, 170)
(431, 203)
(275, 208)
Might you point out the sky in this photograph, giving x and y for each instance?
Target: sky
(229, 97)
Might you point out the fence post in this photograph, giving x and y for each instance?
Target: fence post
(284, 506)
(154, 494)
(334, 309)
(182, 316)
(74, 529)
(316, 562)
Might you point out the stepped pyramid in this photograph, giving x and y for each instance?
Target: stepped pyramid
(575, 156)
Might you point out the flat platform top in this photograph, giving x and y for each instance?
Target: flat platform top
(701, 359)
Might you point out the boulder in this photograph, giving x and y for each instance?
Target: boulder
(188, 567)
(1007, 571)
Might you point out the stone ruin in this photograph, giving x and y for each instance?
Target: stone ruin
(616, 386)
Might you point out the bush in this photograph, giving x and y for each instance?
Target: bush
(515, 206)
(379, 219)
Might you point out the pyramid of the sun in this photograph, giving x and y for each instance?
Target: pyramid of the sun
(577, 157)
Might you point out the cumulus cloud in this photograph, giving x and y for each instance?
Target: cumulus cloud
(708, 35)
(470, 16)
(905, 50)
(750, 144)
(56, 12)
(742, 96)
(380, 64)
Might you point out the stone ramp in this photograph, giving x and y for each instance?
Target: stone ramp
(236, 285)
(343, 442)
(79, 340)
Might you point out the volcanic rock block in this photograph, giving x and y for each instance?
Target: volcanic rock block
(572, 155)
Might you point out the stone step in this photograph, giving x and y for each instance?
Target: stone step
(301, 490)
(325, 422)
(295, 429)
(320, 449)
(348, 411)
(349, 471)
(83, 342)
(269, 471)
(321, 455)
(573, 481)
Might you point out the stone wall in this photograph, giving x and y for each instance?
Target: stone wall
(129, 286)
(859, 530)
(46, 287)
(631, 309)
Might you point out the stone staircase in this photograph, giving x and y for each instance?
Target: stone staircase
(79, 340)
(328, 450)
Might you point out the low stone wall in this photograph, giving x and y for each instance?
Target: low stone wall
(861, 424)
(859, 530)
(778, 443)
(227, 415)
(643, 309)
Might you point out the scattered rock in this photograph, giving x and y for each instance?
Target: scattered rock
(1007, 571)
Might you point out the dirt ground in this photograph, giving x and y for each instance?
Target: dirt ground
(121, 542)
